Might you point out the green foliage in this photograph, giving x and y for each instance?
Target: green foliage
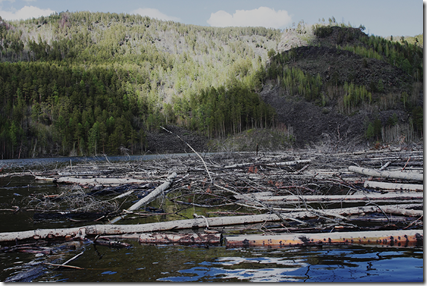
(418, 118)
(373, 130)
(323, 31)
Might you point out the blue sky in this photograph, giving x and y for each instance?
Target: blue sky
(380, 17)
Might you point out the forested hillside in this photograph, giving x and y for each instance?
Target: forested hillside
(88, 83)
(91, 83)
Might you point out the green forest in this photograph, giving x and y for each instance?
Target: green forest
(81, 83)
(94, 83)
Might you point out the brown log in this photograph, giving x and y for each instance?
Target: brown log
(388, 174)
(182, 239)
(395, 238)
(393, 186)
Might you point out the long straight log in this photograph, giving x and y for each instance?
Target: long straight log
(288, 163)
(392, 186)
(93, 181)
(182, 239)
(192, 223)
(109, 229)
(388, 174)
(395, 238)
(150, 197)
(334, 198)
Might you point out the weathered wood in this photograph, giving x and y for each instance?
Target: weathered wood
(393, 186)
(388, 174)
(192, 223)
(150, 197)
(182, 239)
(139, 228)
(333, 198)
(278, 164)
(395, 238)
(93, 181)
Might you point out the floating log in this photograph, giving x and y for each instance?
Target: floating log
(393, 186)
(395, 238)
(139, 228)
(388, 174)
(182, 239)
(196, 223)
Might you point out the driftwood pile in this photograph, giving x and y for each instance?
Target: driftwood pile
(338, 197)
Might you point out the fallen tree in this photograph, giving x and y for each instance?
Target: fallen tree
(335, 198)
(199, 222)
(414, 176)
(393, 186)
(398, 238)
(150, 197)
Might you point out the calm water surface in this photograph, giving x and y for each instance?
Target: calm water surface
(150, 263)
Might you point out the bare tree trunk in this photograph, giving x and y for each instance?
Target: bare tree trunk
(388, 174)
(150, 197)
(200, 222)
(395, 238)
(334, 198)
(186, 238)
(391, 186)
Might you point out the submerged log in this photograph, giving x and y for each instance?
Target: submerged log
(388, 174)
(395, 238)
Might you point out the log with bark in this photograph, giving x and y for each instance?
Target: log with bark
(393, 186)
(398, 238)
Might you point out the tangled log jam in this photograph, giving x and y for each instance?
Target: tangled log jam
(242, 199)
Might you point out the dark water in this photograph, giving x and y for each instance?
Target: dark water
(41, 162)
(149, 263)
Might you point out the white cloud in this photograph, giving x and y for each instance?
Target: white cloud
(154, 13)
(263, 16)
(27, 12)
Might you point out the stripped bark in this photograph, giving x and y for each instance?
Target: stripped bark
(388, 174)
(278, 164)
(93, 230)
(334, 198)
(93, 181)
